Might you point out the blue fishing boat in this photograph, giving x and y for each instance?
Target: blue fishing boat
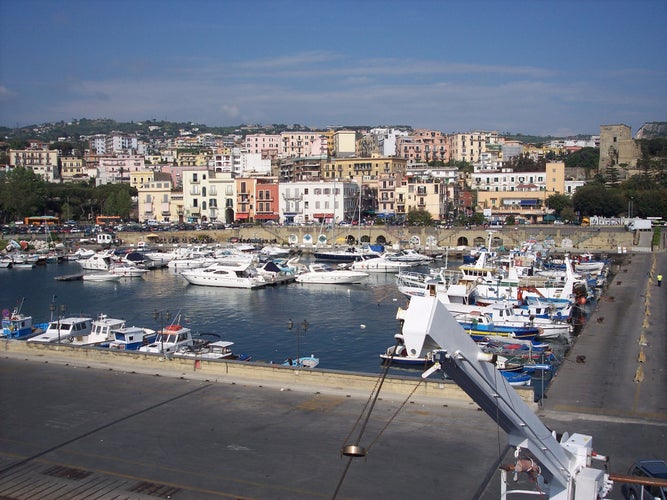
(480, 326)
(16, 325)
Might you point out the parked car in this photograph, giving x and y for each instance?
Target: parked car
(648, 469)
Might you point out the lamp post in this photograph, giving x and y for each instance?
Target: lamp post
(163, 317)
(303, 325)
(53, 307)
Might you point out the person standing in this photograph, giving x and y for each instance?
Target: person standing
(659, 279)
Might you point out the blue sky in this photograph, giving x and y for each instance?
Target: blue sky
(546, 67)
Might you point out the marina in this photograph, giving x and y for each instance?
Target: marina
(227, 293)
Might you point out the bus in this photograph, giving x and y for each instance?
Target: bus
(108, 220)
(38, 220)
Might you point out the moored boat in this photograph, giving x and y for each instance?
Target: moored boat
(324, 274)
(169, 340)
(62, 329)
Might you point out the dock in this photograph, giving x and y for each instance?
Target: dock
(69, 277)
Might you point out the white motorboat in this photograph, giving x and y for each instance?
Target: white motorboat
(222, 275)
(127, 271)
(324, 274)
(104, 276)
(409, 255)
(64, 328)
(100, 261)
(169, 340)
(220, 349)
(373, 263)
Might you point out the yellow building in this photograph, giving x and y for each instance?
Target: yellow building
(71, 169)
(362, 169)
(154, 199)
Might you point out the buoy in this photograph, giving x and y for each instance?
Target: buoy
(362, 326)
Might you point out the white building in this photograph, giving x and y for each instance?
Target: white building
(317, 201)
(115, 169)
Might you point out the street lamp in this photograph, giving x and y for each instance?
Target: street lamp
(164, 317)
(303, 325)
(53, 307)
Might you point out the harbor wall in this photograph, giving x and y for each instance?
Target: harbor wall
(574, 239)
(242, 372)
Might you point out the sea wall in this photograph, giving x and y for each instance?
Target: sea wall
(241, 372)
(575, 239)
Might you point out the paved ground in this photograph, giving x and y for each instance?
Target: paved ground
(69, 431)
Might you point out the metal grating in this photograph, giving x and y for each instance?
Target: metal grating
(155, 490)
(67, 472)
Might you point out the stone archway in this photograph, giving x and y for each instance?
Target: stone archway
(462, 241)
(381, 240)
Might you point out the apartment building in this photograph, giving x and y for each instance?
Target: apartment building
(344, 143)
(154, 199)
(42, 161)
(115, 169)
(266, 145)
(362, 169)
(505, 191)
(257, 199)
(72, 170)
(208, 196)
(469, 147)
(422, 193)
(297, 144)
(423, 146)
(318, 201)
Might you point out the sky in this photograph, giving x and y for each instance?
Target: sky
(536, 67)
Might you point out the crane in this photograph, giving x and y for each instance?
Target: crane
(560, 466)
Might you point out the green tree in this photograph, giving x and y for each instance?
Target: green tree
(419, 217)
(596, 199)
(22, 194)
(558, 202)
(588, 158)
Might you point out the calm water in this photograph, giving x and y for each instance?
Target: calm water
(349, 325)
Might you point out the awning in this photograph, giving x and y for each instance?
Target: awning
(387, 215)
(242, 216)
(266, 216)
(528, 203)
(323, 216)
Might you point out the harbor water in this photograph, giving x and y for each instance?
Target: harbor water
(348, 326)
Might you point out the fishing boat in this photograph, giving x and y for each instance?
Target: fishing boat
(101, 332)
(16, 325)
(325, 274)
(62, 329)
(169, 340)
(131, 338)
